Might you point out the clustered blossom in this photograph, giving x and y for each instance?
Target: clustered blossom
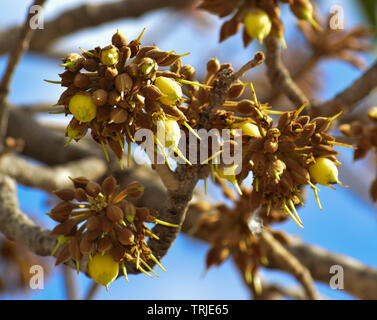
(258, 17)
(125, 90)
(366, 137)
(228, 231)
(97, 221)
(118, 89)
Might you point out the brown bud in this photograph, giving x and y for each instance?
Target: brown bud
(270, 146)
(92, 223)
(188, 72)
(105, 244)
(63, 256)
(74, 249)
(118, 40)
(169, 60)
(93, 188)
(81, 80)
(213, 66)
(125, 236)
(109, 185)
(125, 53)
(105, 84)
(106, 225)
(114, 213)
(111, 73)
(135, 189)
(245, 106)
(114, 98)
(118, 252)
(90, 65)
(118, 115)
(65, 194)
(157, 55)
(236, 90)
(81, 195)
(86, 246)
(99, 97)
(92, 235)
(62, 211)
(143, 51)
(80, 182)
(123, 83)
(322, 124)
(151, 92)
(103, 113)
(143, 214)
(132, 69)
(129, 210)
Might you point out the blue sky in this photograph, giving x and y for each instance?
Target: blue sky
(346, 225)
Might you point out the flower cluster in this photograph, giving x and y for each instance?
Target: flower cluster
(366, 141)
(118, 89)
(97, 221)
(259, 18)
(231, 231)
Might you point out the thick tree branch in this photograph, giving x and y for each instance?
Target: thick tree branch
(50, 179)
(86, 16)
(360, 280)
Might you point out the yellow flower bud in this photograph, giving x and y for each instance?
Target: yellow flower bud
(169, 133)
(73, 133)
(103, 269)
(110, 56)
(171, 90)
(82, 107)
(324, 172)
(248, 129)
(258, 24)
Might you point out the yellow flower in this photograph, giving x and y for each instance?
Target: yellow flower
(168, 133)
(170, 89)
(258, 24)
(248, 129)
(110, 56)
(82, 107)
(103, 269)
(324, 172)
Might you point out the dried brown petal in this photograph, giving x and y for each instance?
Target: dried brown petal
(65, 194)
(93, 188)
(114, 213)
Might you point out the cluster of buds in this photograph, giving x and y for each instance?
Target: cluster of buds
(118, 89)
(366, 137)
(232, 232)
(296, 152)
(259, 18)
(97, 221)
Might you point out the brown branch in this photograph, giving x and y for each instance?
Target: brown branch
(92, 291)
(360, 280)
(350, 97)
(50, 179)
(286, 261)
(279, 74)
(69, 283)
(86, 16)
(18, 49)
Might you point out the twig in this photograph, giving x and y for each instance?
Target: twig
(279, 74)
(349, 98)
(20, 47)
(69, 283)
(289, 263)
(92, 291)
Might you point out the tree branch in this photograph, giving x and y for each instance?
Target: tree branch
(18, 48)
(279, 74)
(86, 16)
(50, 179)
